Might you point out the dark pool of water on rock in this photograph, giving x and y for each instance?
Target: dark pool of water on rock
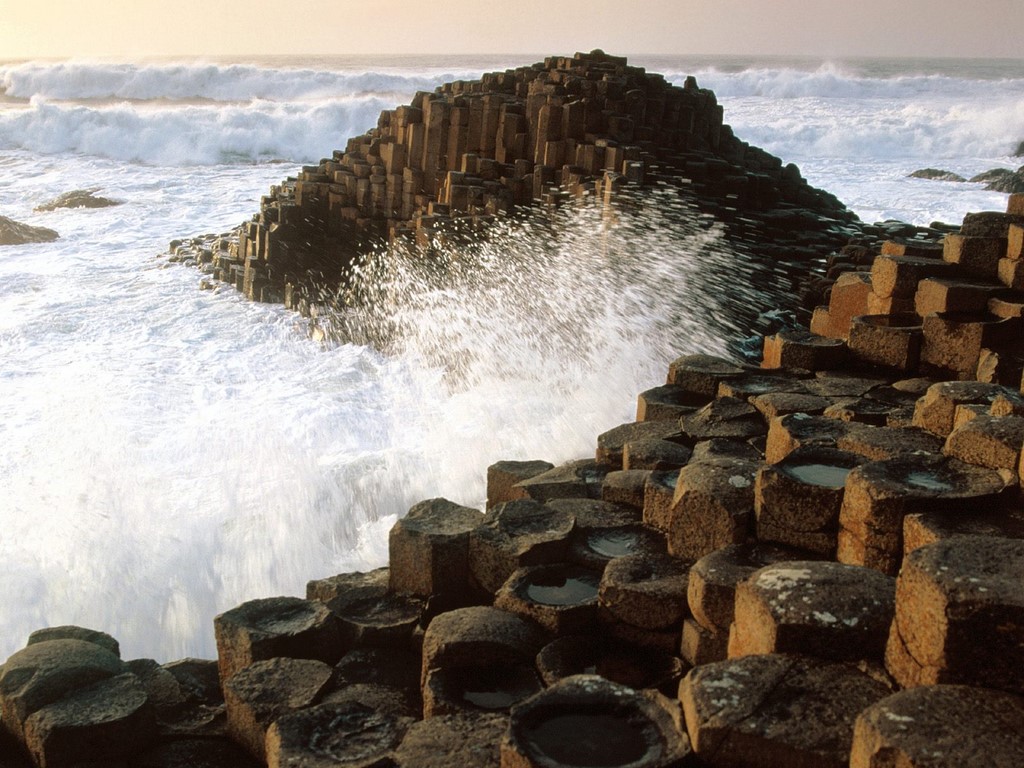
(497, 688)
(589, 739)
(613, 543)
(563, 589)
(826, 475)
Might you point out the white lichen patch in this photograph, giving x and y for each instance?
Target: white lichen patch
(739, 481)
(899, 718)
(782, 578)
(824, 617)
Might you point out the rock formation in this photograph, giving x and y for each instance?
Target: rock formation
(79, 198)
(14, 233)
(816, 561)
(455, 159)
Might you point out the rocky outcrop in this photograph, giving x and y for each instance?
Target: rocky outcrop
(79, 198)
(936, 174)
(589, 126)
(825, 572)
(13, 233)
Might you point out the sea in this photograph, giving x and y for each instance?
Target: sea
(168, 452)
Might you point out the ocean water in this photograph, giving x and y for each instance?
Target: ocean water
(168, 452)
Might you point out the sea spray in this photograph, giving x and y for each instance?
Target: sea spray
(214, 454)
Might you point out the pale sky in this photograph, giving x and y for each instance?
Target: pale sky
(130, 28)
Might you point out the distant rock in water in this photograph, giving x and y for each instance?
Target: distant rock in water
(1010, 182)
(1020, 150)
(936, 174)
(13, 233)
(991, 176)
(79, 198)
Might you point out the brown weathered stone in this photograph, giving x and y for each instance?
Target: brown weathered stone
(848, 298)
(700, 645)
(428, 550)
(899, 275)
(925, 528)
(654, 454)
(620, 662)
(514, 535)
(259, 694)
(275, 626)
(975, 255)
(625, 487)
(46, 672)
(941, 725)
(841, 384)
(701, 374)
(937, 294)
(891, 341)
(68, 632)
(988, 441)
(795, 430)
(647, 591)
(953, 342)
(109, 719)
(667, 403)
(586, 719)
(712, 507)
(479, 689)
(575, 479)
(725, 417)
(450, 740)
(751, 384)
(659, 492)
(880, 494)
(775, 404)
(936, 409)
(822, 609)
(479, 636)
(960, 613)
(502, 476)
(561, 598)
(610, 444)
(775, 710)
(802, 350)
(797, 501)
(327, 735)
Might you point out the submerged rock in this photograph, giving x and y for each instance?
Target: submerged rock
(936, 174)
(14, 233)
(78, 198)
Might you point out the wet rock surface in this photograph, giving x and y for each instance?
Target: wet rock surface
(79, 198)
(14, 233)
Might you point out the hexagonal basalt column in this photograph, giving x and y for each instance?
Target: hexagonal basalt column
(960, 615)
(890, 341)
(701, 374)
(936, 410)
(264, 691)
(453, 740)
(514, 535)
(880, 494)
(797, 501)
(502, 476)
(561, 598)
(775, 711)
(712, 507)
(587, 720)
(941, 725)
(275, 626)
(327, 735)
(429, 550)
(478, 659)
(988, 441)
(823, 609)
(802, 350)
(618, 661)
(647, 591)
